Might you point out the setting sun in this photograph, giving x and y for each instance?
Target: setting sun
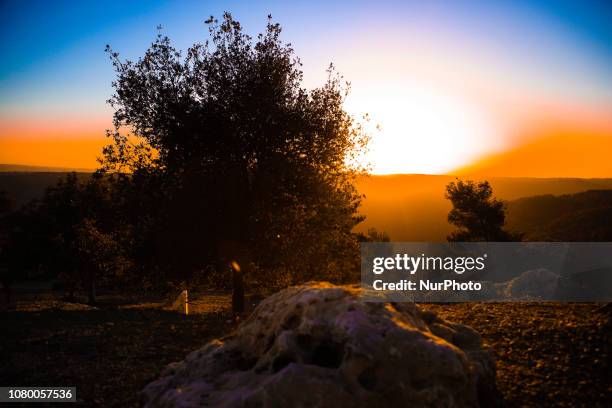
(423, 130)
(450, 87)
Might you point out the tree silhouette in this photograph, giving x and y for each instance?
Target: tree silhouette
(98, 256)
(477, 215)
(5, 278)
(251, 168)
(70, 234)
(373, 235)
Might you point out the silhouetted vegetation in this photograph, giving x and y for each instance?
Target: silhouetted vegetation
(373, 235)
(477, 215)
(218, 157)
(5, 209)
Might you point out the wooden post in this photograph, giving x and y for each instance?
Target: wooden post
(186, 302)
(238, 289)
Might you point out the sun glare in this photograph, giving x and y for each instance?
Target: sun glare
(423, 131)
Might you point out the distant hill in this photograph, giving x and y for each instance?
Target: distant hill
(585, 216)
(22, 168)
(25, 186)
(413, 208)
(409, 207)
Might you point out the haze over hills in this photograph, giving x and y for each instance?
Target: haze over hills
(584, 216)
(24, 168)
(412, 207)
(24, 183)
(409, 207)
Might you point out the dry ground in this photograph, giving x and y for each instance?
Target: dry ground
(547, 354)
(109, 352)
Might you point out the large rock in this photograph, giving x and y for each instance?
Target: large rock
(318, 345)
(533, 284)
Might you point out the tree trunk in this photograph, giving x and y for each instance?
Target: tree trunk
(238, 292)
(240, 207)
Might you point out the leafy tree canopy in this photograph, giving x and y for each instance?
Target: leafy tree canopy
(477, 215)
(250, 165)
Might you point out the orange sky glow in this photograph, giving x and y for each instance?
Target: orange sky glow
(561, 143)
(485, 89)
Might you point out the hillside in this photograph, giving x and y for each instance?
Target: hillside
(413, 208)
(409, 207)
(25, 186)
(23, 168)
(585, 216)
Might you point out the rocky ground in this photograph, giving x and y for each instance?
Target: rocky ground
(547, 354)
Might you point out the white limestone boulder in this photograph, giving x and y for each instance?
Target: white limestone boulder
(319, 345)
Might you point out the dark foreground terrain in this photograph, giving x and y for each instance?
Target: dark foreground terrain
(547, 354)
(108, 353)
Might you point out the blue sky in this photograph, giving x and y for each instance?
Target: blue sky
(54, 65)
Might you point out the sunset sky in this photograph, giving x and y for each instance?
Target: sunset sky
(508, 88)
